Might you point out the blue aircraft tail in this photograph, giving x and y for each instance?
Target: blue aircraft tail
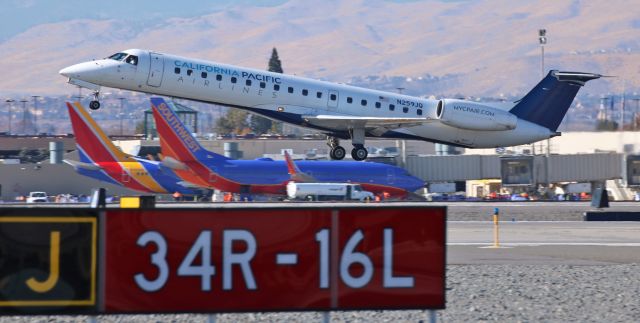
(549, 101)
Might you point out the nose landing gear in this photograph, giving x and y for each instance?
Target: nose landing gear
(95, 104)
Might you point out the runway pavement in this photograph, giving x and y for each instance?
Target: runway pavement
(540, 242)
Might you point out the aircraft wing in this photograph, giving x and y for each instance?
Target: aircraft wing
(347, 122)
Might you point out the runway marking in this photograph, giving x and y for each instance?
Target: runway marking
(536, 244)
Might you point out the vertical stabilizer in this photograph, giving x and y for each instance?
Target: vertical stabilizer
(549, 101)
(90, 138)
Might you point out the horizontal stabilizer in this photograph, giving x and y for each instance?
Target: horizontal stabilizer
(549, 101)
(81, 165)
(174, 164)
(191, 185)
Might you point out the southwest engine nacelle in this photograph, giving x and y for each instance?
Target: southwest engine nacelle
(473, 116)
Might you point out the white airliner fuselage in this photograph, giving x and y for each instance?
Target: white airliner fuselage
(340, 110)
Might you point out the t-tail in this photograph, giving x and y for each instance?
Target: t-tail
(549, 101)
(176, 140)
(91, 141)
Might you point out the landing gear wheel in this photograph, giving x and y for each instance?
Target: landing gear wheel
(94, 105)
(359, 153)
(337, 153)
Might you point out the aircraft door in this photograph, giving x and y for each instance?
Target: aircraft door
(156, 69)
(125, 175)
(332, 100)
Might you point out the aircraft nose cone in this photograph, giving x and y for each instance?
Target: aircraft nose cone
(67, 71)
(74, 70)
(80, 71)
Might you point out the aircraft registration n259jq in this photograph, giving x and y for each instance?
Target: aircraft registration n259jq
(341, 111)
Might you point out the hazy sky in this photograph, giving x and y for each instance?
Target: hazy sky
(17, 16)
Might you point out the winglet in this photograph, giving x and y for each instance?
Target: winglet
(296, 174)
(291, 166)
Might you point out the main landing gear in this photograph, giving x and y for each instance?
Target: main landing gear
(95, 104)
(337, 152)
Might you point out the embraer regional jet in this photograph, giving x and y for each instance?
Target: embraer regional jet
(340, 111)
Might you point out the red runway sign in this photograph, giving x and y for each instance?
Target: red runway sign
(229, 260)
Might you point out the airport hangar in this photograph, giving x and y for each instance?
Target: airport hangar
(591, 158)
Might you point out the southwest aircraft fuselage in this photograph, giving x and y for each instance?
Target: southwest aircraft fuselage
(341, 111)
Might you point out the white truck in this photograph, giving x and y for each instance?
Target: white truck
(327, 192)
(35, 197)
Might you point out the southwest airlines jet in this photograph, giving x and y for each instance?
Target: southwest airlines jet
(193, 163)
(340, 111)
(102, 160)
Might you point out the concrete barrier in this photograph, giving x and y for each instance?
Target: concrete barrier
(612, 216)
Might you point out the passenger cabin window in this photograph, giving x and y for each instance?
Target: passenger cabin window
(392, 107)
(263, 85)
(319, 95)
(290, 90)
(378, 105)
(333, 97)
(349, 100)
(248, 82)
(131, 59)
(204, 75)
(419, 112)
(118, 56)
(363, 103)
(305, 92)
(234, 79)
(177, 70)
(189, 72)
(218, 77)
(276, 87)
(405, 109)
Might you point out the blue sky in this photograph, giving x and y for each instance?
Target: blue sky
(17, 16)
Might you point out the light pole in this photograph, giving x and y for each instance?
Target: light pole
(121, 113)
(24, 116)
(9, 105)
(542, 39)
(635, 114)
(35, 113)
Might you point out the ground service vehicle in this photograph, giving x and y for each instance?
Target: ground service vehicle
(36, 197)
(327, 192)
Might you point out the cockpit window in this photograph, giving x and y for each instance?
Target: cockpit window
(118, 56)
(132, 59)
